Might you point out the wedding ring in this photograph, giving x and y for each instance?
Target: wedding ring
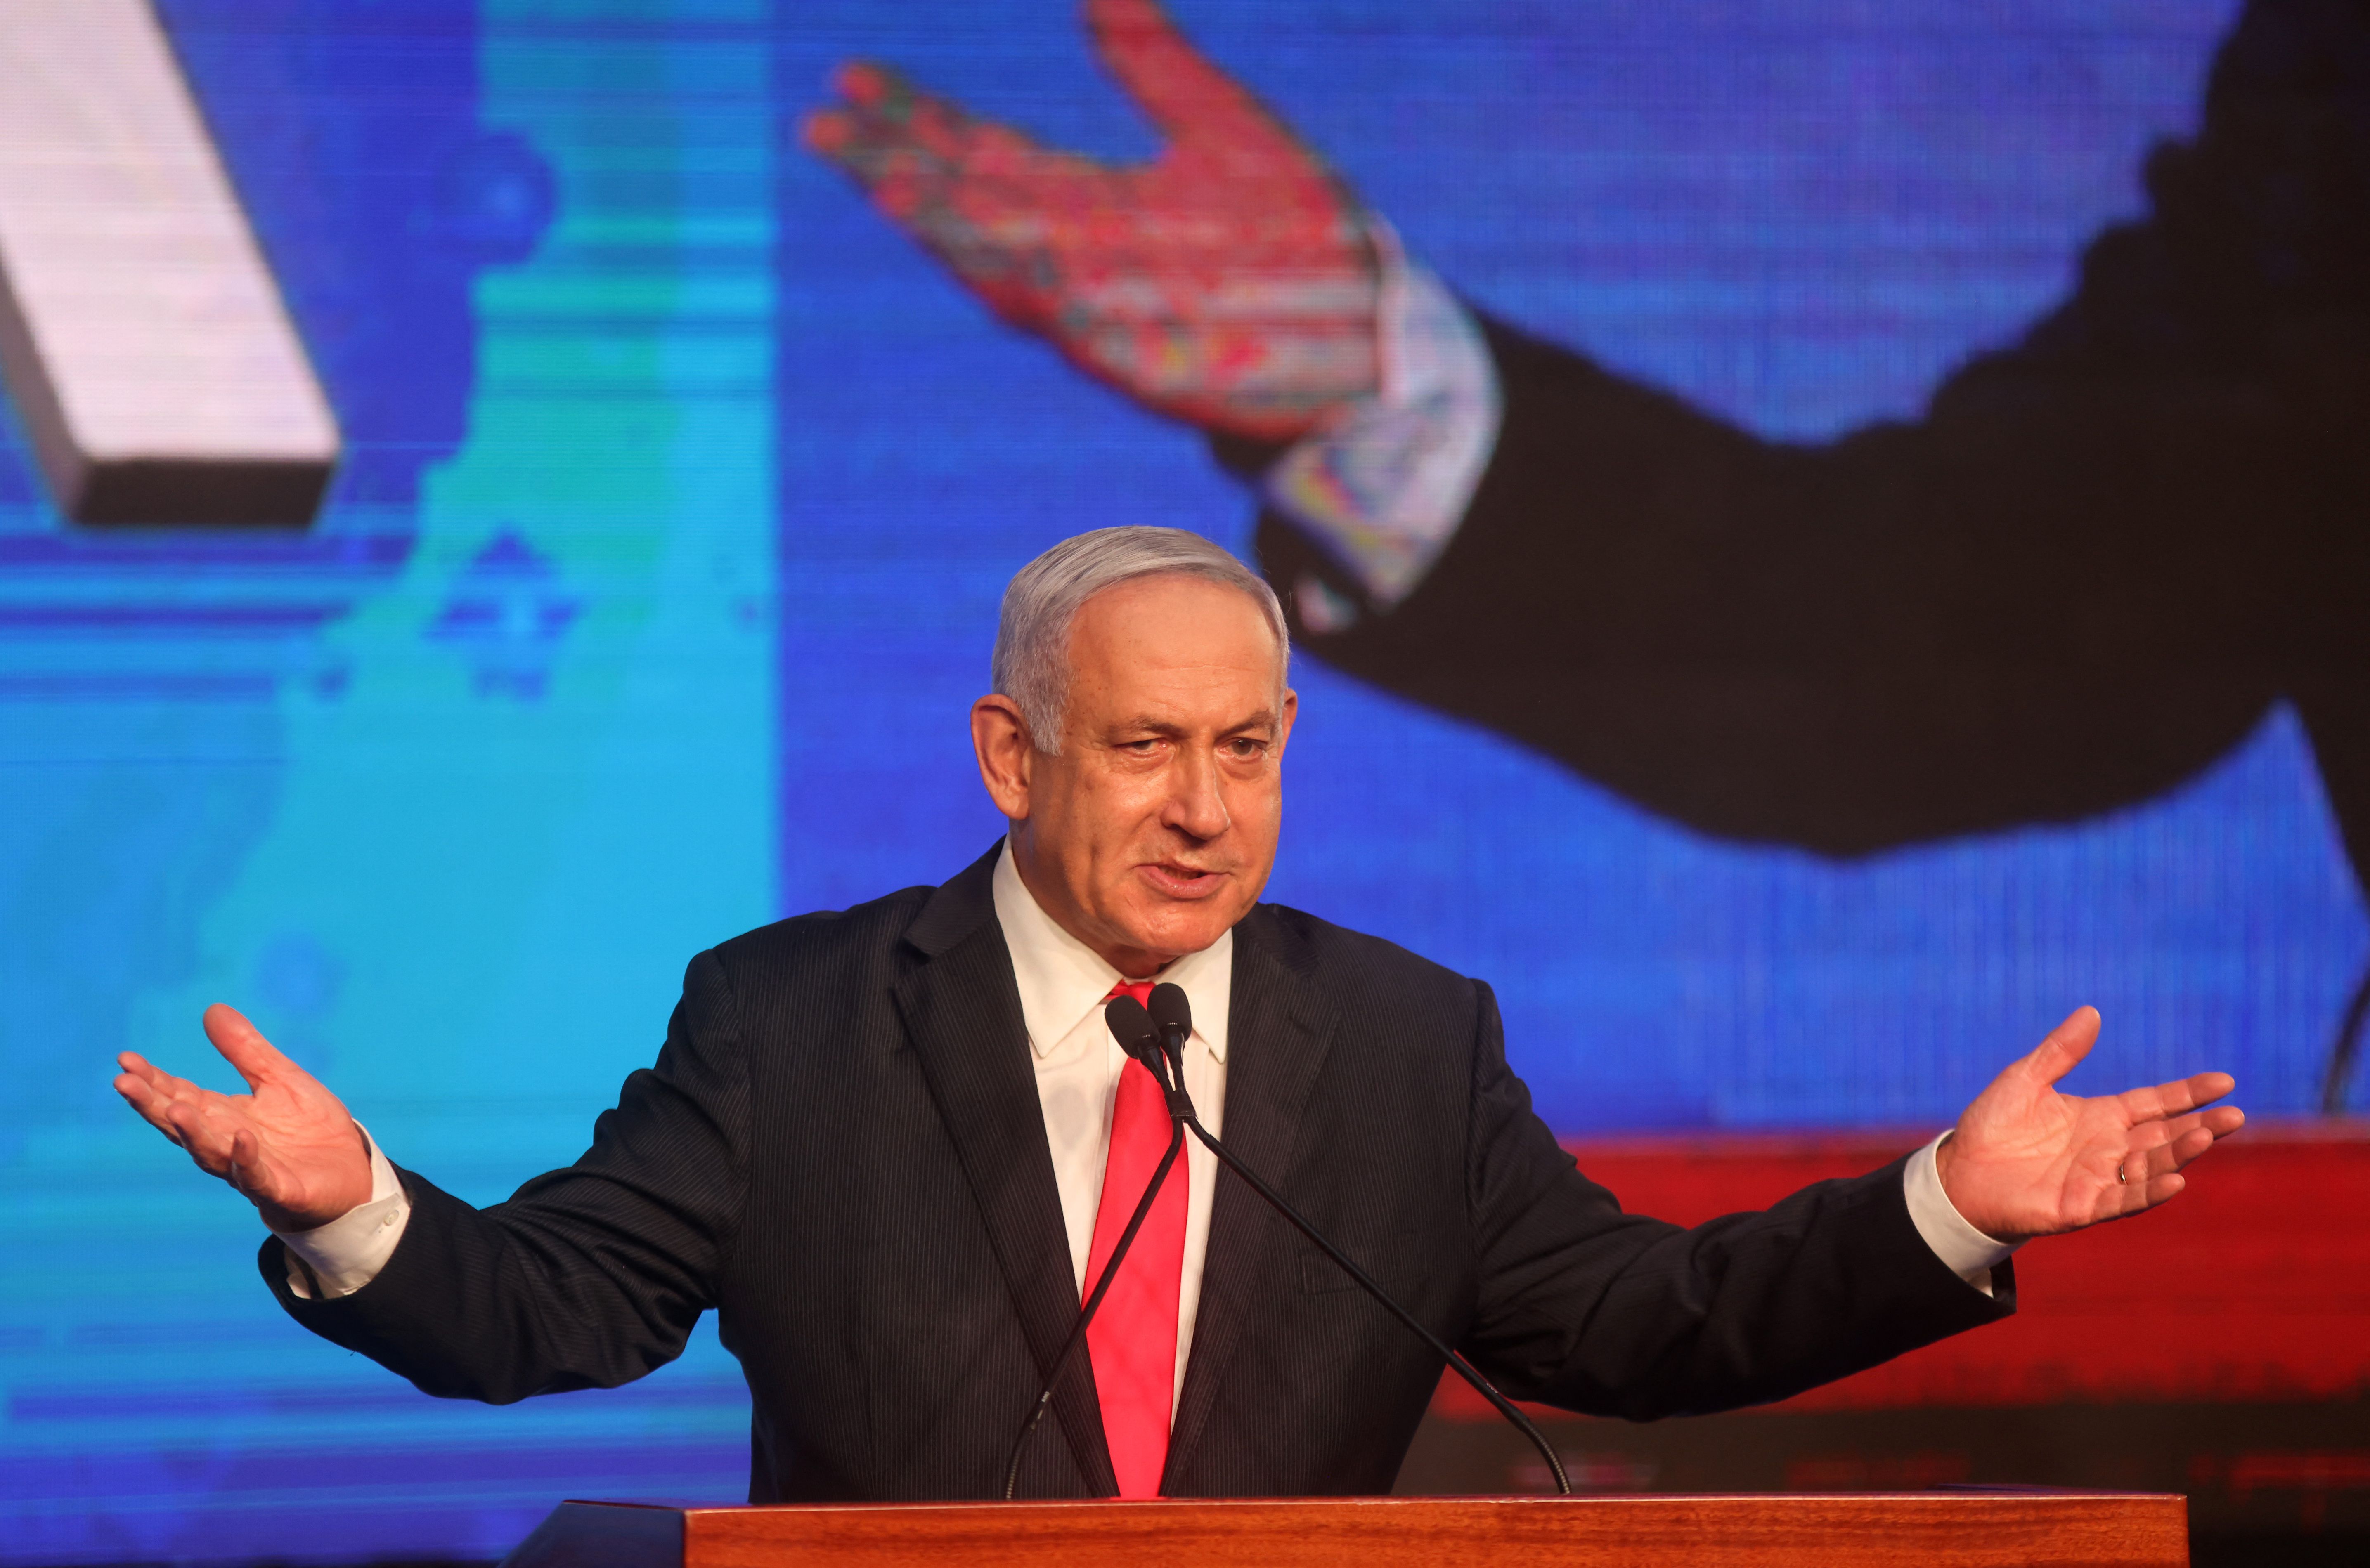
(2119, 1173)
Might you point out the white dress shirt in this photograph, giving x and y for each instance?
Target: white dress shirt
(1063, 983)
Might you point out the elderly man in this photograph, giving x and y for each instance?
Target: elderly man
(893, 1147)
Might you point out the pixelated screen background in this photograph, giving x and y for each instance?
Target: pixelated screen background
(681, 489)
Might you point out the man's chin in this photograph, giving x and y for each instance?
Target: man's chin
(1173, 928)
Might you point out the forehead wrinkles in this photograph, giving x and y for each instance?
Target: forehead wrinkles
(1110, 650)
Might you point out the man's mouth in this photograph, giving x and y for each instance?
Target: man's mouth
(1182, 881)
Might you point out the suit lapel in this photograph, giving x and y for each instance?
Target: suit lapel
(961, 1010)
(1278, 1035)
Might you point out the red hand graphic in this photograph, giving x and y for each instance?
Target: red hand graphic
(1229, 283)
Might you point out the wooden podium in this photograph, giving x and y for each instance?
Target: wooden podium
(1996, 1528)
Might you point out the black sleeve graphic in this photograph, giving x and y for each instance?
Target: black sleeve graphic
(2084, 576)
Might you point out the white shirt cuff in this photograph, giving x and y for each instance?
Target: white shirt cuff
(346, 1253)
(1383, 490)
(1964, 1250)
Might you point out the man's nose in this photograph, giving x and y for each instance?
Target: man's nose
(1196, 807)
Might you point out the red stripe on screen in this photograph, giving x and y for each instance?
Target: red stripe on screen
(2252, 1285)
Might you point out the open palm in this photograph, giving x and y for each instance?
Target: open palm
(2028, 1160)
(289, 1145)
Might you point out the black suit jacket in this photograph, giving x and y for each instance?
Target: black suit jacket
(841, 1151)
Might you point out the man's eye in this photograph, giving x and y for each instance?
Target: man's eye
(1247, 750)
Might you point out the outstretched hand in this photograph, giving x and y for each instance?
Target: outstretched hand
(1230, 282)
(2027, 1160)
(289, 1146)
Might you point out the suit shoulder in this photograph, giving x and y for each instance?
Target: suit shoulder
(1375, 964)
(823, 938)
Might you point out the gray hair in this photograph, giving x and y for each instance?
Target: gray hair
(1032, 635)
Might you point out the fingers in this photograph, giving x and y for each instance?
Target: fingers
(202, 1122)
(894, 140)
(2181, 1094)
(136, 1064)
(243, 1045)
(982, 197)
(2200, 1130)
(2181, 1149)
(2164, 1151)
(139, 1082)
(150, 1104)
(205, 1128)
(907, 147)
(2065, 1045)
(2224, 1120)
(881, 109)
(2150, 1172)
(152, 1092)
(1187, 97)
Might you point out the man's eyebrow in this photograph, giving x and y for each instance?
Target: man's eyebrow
(1171, 729)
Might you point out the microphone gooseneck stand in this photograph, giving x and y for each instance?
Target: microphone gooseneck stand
(1102, 1286)
(1165, 1027)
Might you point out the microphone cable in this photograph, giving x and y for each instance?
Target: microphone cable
(1167, 1024)
(1110, 1269)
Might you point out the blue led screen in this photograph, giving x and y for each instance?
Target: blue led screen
(682, 486)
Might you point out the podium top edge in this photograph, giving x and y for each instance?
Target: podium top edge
(1961, 1495)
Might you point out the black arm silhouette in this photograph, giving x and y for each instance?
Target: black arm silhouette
(2083, 577)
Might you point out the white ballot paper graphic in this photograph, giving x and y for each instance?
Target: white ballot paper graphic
(144, 340)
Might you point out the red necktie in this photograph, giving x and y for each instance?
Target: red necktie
(1132, 1340)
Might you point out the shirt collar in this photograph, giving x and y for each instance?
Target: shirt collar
(1061, 979)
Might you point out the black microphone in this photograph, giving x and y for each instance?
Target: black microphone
(1172, 1018)
(1172, 1015)
(1136, 1036)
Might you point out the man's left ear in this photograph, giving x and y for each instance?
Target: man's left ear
(1283, 720)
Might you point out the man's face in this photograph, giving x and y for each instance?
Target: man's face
(1154, 829)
